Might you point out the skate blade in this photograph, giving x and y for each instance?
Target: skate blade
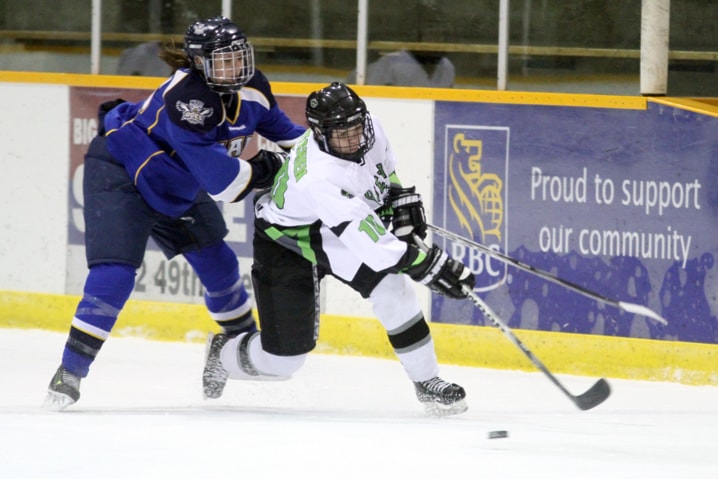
(440, 410)
(56, 401)
(262, 377)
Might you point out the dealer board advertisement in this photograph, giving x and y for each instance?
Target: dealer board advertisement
(620, 202)
(159, 278)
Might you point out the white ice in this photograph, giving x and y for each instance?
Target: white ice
(142, 415)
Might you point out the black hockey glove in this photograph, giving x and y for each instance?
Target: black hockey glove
(104, 109)
(265, 164)
(442, 274)
(409, 217)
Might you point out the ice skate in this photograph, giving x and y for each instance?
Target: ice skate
(441, 398)
(64, 390)
(214, 376)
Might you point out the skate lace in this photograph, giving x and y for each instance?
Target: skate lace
(70, 379)
(214, 375)
(214, 370)
(435, 385)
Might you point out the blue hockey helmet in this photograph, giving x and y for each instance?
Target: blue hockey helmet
(219, 50)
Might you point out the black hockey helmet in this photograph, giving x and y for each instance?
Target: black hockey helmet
(219, 50)
(335, 110)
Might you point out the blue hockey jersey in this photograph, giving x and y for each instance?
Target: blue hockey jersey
(185, 138)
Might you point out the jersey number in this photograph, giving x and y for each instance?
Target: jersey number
(373, 228)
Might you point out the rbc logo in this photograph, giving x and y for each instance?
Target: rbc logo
(476, 160)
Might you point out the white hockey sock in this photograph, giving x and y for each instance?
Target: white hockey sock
(267, 366)
(397, 307)
(420, 364)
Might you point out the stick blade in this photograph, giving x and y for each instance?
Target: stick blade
(642, 311)
(598, 393)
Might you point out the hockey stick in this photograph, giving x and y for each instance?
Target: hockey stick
(625, 306)
(595, 395)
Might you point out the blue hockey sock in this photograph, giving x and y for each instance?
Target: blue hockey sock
(226, 297)
(107, 288)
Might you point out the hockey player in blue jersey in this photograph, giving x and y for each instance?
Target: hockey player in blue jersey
(156, 169)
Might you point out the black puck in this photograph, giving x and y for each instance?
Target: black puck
(498, 434)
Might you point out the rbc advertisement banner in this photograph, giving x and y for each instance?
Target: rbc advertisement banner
(158, 279)
(620, 202)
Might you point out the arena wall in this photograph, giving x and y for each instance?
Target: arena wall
(512, 170)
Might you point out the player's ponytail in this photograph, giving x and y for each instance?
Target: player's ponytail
(174, 56)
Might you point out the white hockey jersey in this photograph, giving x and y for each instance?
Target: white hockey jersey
(317, 193)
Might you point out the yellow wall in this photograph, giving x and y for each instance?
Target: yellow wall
(588, 355)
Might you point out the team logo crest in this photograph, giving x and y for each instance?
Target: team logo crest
(200, 28)
(194, 112)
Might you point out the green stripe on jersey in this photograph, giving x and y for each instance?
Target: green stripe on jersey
(298, 239)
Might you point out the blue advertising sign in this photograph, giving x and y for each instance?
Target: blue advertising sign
(620, 202)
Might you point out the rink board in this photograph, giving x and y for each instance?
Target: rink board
(535, 167)
(479, 346)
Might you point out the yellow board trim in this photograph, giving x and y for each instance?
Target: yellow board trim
(485, 347)
(303, 89)
(705, 107)
(75, 79)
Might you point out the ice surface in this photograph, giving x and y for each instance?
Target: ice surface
(142, 415)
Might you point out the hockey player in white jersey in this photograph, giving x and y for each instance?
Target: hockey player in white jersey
(328, 212)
